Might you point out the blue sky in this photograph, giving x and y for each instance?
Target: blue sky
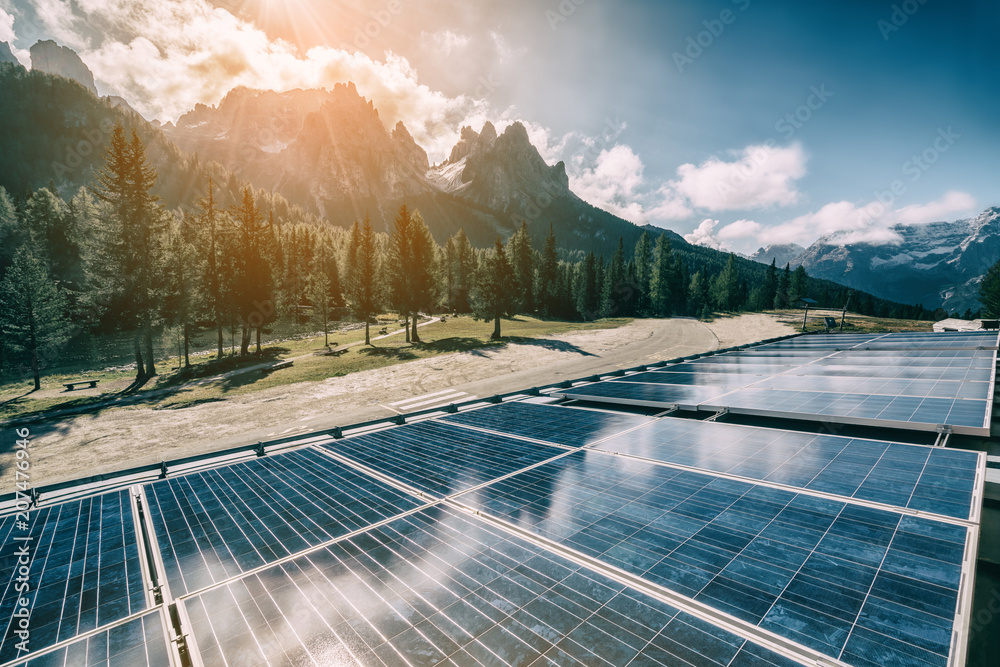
(737, 122)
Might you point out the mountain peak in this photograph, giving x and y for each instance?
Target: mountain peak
(488, 135)
(49, 57)
(408, 148)
(6, 55)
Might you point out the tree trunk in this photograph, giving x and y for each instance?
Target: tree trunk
(34, 367)
(140, 368)
(368, 338)
(245, 338)
(496, 329)
(416, 336)
(187, 345)
(148, 339)
(258, 340)
(406, 327)
(222, 341)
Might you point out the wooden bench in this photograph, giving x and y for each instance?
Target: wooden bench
(70, 386)
(278, 366)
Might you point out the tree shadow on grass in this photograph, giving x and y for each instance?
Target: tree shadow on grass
(462, 344)
(393, 353)
(16, 399)
(550, 344)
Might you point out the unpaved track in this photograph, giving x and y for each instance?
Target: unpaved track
(83, 445)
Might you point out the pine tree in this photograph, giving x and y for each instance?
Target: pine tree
(798, 286)
(495, 286)
(32, 310)
(548, 274)
(697, 293)
(989, 292)
(180, 297)
(770, 288)
(644, 275)
(726, 287)
(615, 291)
(521, 256)
(252, 288)
(125, 255)
(423, 271)
(401, 263)
(363, 284)
(661, 292)
(588, 288)
(781, 299)
(319, 296)
(213, 279)
(465, 272)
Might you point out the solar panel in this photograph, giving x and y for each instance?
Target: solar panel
(655, 395)
(84, 570)
(929, 479)
(442, 587)
(439, 458)
(564, 426)
(216, 524)
(139, 641)
(818, 572)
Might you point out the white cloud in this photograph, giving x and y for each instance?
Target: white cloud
(953, 204)
(845, 222)
(445, 42)
(612, 182)
(741, 229)
(7, 35)
(759, 177)
(704, 235)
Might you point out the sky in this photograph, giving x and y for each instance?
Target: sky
(737, 123)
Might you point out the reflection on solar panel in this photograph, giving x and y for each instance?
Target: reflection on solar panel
(466, 539)
(84, 570)
(439, 458)
(929, 479)
(139, 641)
(216, 524)
(813, 380)
(564, 427)
(440, 586)
(837, 577)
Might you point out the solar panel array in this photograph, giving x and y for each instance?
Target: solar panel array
(930, 382)
(528, 533)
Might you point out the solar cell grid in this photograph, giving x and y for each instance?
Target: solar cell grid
(440, 587)
(564, 426)
(440, 458)
(816, 571)
(84, 570)
(219, 523)
(884, 386)
(649, 394)
(929, 479)
(131, 644)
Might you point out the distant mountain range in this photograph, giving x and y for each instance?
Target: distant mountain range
(328, 153)
(936, 264)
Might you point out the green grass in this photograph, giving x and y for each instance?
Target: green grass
(461, 334)
(853, 323)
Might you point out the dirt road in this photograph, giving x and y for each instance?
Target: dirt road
(83, 445)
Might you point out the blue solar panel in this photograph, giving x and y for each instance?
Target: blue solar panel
(564, 426)
(131, 644)
(888, 387)
(929, 412)
(442, 459)
(219, 523)
(654, 394)
(806, 568)
(922, 478)
(84, 570)
(442, 587)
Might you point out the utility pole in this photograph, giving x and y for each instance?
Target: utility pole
(843, 315)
